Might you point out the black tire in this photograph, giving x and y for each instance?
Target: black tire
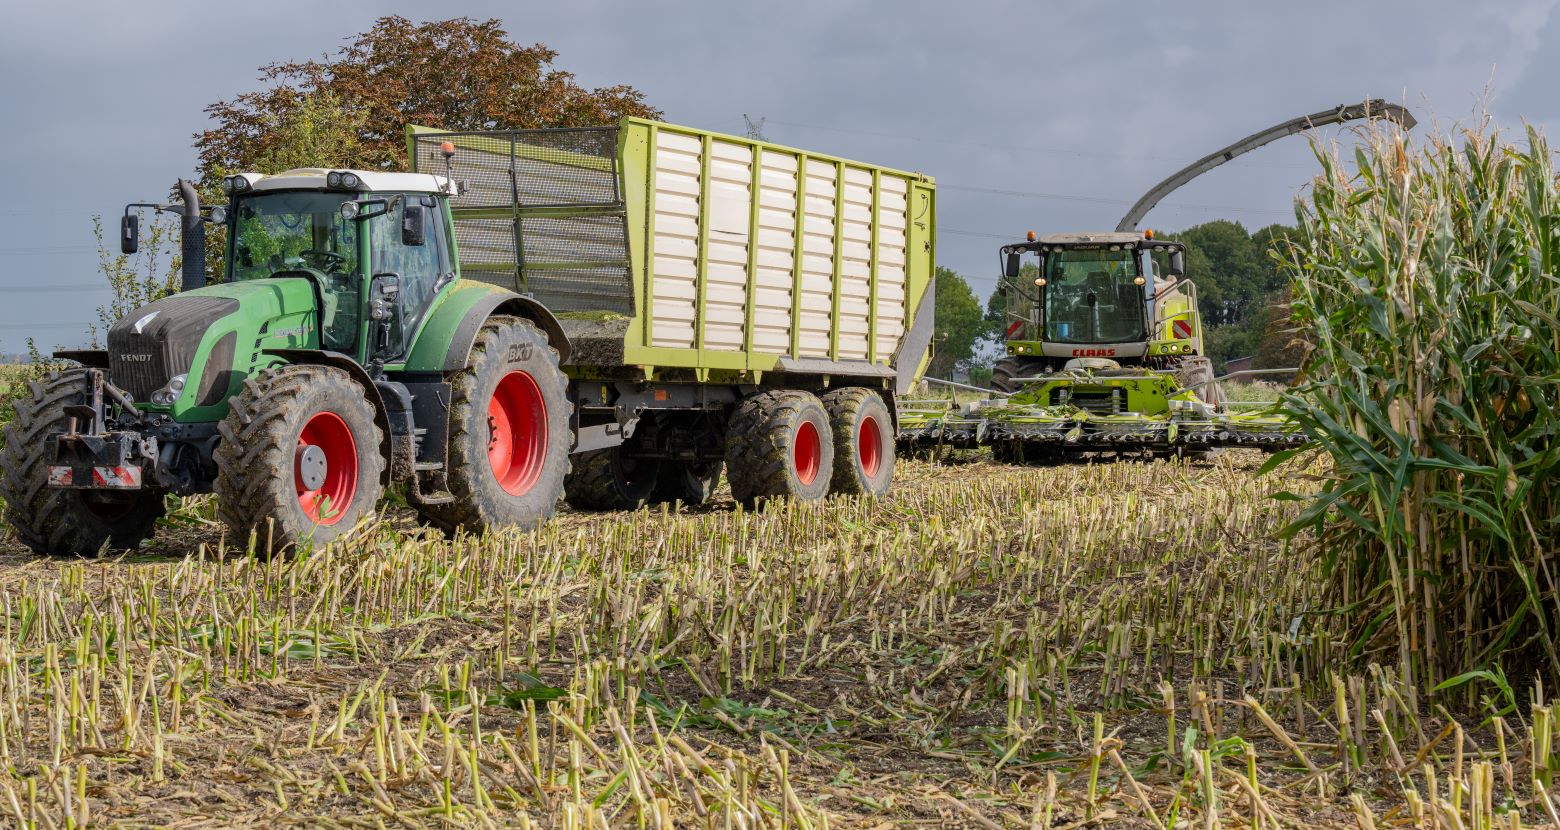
(510, 350)
(608, 480)
(863, 442)
(65, 522)
(263, 471)
(1008, 368)
(692, 482)
(762, 443)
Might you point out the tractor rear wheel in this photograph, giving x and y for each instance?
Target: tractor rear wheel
(57, 521)
(692, 482)
(1007, 369)
(863, 442)
(609, 480)
(509, 432)
(299, 460)
(779, 444)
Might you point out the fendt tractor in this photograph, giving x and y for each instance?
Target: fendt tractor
(1104, 344)
(613, 315)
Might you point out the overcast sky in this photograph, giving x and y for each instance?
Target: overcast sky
(1037, 116)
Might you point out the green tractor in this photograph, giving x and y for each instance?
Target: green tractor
(299, 387)
(608, 304)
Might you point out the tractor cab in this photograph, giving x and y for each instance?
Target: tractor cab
(375, 247)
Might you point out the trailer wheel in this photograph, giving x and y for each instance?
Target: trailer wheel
(691, 483)
(607, 479)
(779, 444)
(509, 432)
(1008, 368)
(863, 442)
(298, 461)
(65, 522)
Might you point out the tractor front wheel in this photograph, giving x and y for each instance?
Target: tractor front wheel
(863, 442)
(509, 432)
(65, 522)
(299, 460)
(778, 445)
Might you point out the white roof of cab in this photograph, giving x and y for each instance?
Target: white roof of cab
(1101, 237)
(308, 178)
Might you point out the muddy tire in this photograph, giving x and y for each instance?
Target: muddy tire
(1008, 368)
(689, 482)
(65, 522)
(299, 461)
(608, 480)
(778, 445)
(863, 442)
(509, 432)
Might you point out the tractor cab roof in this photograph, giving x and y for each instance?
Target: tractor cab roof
(315, 178)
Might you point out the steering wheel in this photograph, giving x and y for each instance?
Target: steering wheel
(326, 260)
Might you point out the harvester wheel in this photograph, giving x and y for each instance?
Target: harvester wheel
(65, 522)
(1008, 368)
(779, 444)
(692, 483)
(299, 459)
(863, 442)
(609, 480)
(509, 432)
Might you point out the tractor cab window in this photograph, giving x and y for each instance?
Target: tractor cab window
(302, 233)
(1091, 297)
(420, 267)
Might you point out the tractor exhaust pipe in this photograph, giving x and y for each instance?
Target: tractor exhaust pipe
(193, 237)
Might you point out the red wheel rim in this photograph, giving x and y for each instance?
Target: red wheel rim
(869, 446)
(517, 436)
(807, 452)
(328, 502)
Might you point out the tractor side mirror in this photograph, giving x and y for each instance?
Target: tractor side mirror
(1013, 265)
(413, 232)
(129, 234)
(1177, 264)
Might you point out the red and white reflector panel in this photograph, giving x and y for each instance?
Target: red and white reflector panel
(117, 477)
(1017, 324)
(1182, 329)
(60, 477)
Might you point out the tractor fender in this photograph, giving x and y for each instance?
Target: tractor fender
(515, 304)
(316, 357)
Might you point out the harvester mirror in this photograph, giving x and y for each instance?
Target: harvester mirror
(413, 232)
(130, 234)
(1177, 263)
(1013, 264)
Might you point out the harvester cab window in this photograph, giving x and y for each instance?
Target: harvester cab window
(1091, 297)
(302, 233)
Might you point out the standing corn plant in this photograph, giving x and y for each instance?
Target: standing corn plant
(1427, 280)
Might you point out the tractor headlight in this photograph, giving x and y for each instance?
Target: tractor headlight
(236, 184)
(342, 180)
(170, 393)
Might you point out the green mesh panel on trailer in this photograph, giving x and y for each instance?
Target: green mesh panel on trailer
(538, 211)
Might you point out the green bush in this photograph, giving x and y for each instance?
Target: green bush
(1428, 278)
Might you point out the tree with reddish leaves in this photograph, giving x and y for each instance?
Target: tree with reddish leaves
(458, 74)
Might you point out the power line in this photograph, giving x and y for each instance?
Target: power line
(1019, 148)
(50, 289)
(1024, 194)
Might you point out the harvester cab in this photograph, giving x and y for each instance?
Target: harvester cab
(1118, 296)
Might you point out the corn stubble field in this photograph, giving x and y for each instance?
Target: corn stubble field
(991, 646)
